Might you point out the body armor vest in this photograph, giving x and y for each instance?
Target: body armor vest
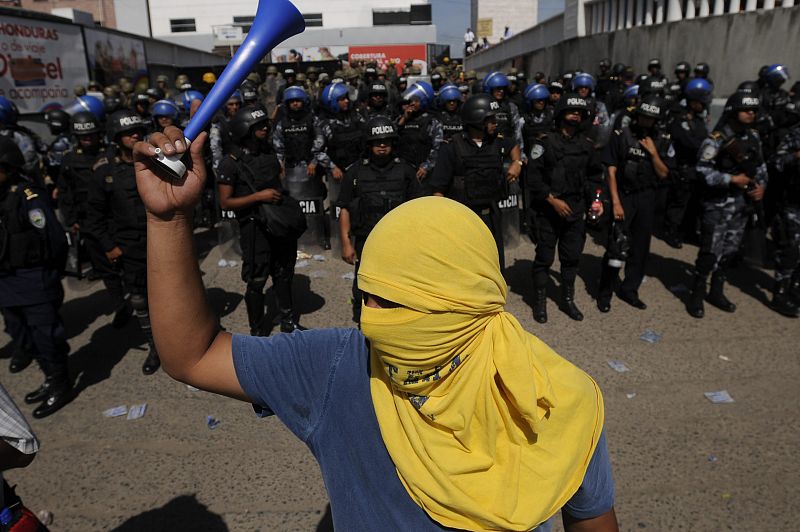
(505, 126)
(567, 178)
(21, 244)
(414, 144)
(345, 145)
(298, 135)
(451, 124)
(377, 191)
(478, 176)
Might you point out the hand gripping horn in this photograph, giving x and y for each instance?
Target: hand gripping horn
(276, 21)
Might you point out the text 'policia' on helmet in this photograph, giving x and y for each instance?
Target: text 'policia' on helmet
(571, 102)
(57, 119)
(449, 93)
(683, 67)
(331, 95)
(495, 80)
(380, 127)
(698, 89)
(125, 121)
(376, 88)
(295, 93)
(477, 109)
(166, 108)
(740, 101)
(244, 120)
(10, 154)
(536, 92)
(651, 106)
(84, 123)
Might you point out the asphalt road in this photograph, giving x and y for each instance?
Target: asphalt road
(681, 462)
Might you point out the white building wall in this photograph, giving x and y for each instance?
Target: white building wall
(208, 13)
(518, 15)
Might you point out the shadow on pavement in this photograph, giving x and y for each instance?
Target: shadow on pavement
(751, 280)
(181, 514)
(671, 273)
(326, 523)
(93, 362)
(79, 313)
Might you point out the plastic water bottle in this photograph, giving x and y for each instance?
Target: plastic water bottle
(597, 205)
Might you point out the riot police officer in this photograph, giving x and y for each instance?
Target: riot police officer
(420, 132)
(249, 177)
(58, 123)
(32, 254)
(343, 131)
(450, 114)
(605, 79)
(26, 140)
(371, 188)
(733, 171)
(596, 124)
(469, 168)
(622, 117)
(637, 159)
(688, 131)
(77, 170)
(563, 174)
(509, 123)
(165, 113)
(117, 219)
(218, 136)
(786, 225)
(378, 100)
(675, 89)
(538, 117)
(654, 69)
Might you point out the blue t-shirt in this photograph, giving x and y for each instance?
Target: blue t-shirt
(317, 383)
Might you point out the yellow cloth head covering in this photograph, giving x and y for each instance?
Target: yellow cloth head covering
(489, 429)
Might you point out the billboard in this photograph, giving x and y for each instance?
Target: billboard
(113, 56)
(40, 63)
(309, 54)
(397, 54)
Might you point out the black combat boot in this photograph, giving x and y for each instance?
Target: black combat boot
(540, 305)
(21, 358)
(152, 362)
(794, 288)
(568, 292)
(57, 394)
(716, 296)
(606, 287)
(695, 306)
(781, 302)
(288, 323)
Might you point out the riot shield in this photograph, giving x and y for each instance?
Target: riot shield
(510, 215)
(332, 210)
(310, 192)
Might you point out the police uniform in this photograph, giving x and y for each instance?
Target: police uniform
(32, 253)
(421, 135)
(451, 124)
(55, 155)
(569, 169)
(263, 254)
(473, 175)
(344, 139)
(687, 131)
(786, 225)
(636, 185)
(117, 217)
(509, 122)
(369, 191)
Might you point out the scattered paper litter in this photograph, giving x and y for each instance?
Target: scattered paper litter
(302, 254)
(137, 411)
(192, 388)
(212, 422)
(349, 276)
(630, 395)
(301, 264)
(319, 258)
(618, 366)
(650, 336)
(318, 274)
(723, 357)
(222, 263)
(116, 411)
(712, 458)
(720, 397)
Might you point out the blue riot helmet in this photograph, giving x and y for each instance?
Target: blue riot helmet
(583, 80)
(536, 92)
(187, 97)
(331, 95)
(419, 91)
(87, 103)
(166, 108)
(699, 89)
(295, 93)
(630, 95)
(776, 75)
(495, 80)
(8, 112)
(449, 93)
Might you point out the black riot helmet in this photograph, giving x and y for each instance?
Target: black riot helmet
(476, 109)
(651, 106)
(378, 88)
(571, 102)
(125, 121)
(741, 101)
(112, 104)
(10, 154)
(702, 70)
(380, 127)
(249, 93)
(244, 120)
(57, 120)
(748, 87)
(617, 69)
(155, 92)
(84, 123)
(605, 64)
(682, 68)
